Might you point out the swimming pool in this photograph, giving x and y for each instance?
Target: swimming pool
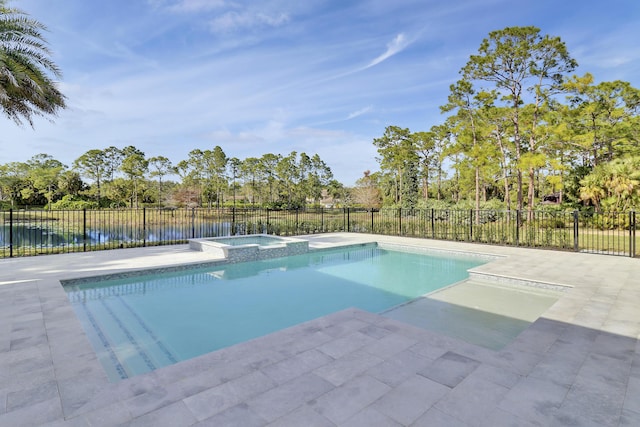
(140, 324)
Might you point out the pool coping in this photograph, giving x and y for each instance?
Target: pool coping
(43, 343)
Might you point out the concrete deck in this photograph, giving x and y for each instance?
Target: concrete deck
(579, 364)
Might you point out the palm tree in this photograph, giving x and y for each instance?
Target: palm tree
(26, 88)
(624, 181)
(592, 189)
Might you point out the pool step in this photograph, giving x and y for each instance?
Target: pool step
(514, 281)
(484, 313)
(125, 339)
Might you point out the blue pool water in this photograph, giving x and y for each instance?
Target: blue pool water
(140, 324)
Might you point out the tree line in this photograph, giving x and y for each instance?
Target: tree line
(519, 128)
(115, 177)
(126, 177)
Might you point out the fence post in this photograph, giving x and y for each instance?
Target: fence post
(297, 223)
(193, 223)
(348, 220)
(267, 220)
(399, 221)
(322, 220)
(144, 227)
(517, 227)
(233, 220)
(10, 233)
(372, 230)
(84, 230)
(433, 224)
(471, 225)
(632, 234)
(576, 247)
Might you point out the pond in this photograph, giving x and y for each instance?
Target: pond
(31, 235)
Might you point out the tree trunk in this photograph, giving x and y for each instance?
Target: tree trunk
(425, 187)
(519, 175)
(531, 193)
(477, 193)
(518, 143)
(505, 176)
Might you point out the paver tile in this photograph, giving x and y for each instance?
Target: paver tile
(285, 398)
(502, 418)
(351, 397)
(606, 369)
(25, 398)
(411, 399)
(534, 399)
(239, 415)
(593, 400)
(77, 392)
(3, 402)
(307, 342)
(174, 415)
(389, 345)
(347, 344)
(351, 365)
(375, 331)
(536, 340)
(614, 345)
(472, 400)
(450, 369)
(519, 361)
(436, 418)
(632, 395)
(397, 369)
(25, 360)
(214, 400)
(345, 327)
(112, 415)
(303, 416)
(154, 399)
(629, 418)
(33, 415)
(296, 366)
(559, 370)
(430, 349)
(498, 376)
(369, 417)
(72, 365)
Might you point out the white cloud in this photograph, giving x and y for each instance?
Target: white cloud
(610, 51)
(232, 21)
(359, 112)
(397, 45)
(188, 6)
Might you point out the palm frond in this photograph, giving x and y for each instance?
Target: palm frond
(26, 90)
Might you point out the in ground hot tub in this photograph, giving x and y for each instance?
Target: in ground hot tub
(250, 248)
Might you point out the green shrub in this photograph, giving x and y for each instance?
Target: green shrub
(70, 202)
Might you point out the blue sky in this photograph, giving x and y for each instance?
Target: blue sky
(273, 76)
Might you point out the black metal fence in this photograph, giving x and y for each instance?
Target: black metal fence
(35, 232)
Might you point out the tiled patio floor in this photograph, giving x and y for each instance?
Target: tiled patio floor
(578, 365)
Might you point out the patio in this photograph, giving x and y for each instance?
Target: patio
(578, 364)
